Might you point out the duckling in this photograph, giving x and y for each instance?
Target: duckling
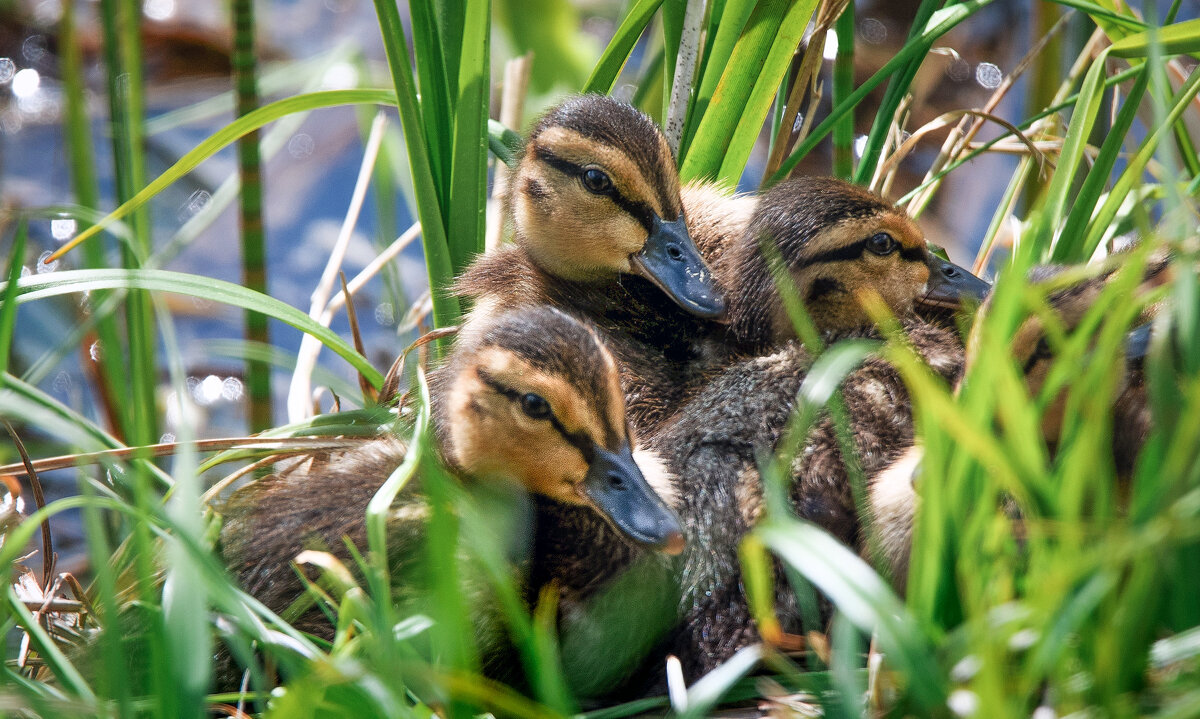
(835, 240)
(601, 230)
(714, 440)
(533, 400)
(892, 493)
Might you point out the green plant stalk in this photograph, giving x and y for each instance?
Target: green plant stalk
(446, 309)
(254, 252)
(843, 86)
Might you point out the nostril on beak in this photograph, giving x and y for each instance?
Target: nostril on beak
(674, 252)
(616, 481)
(950, 271)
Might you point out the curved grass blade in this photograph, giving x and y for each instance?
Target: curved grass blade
(225, 137)
(863, 597)
(1183, 37)
(71, 281)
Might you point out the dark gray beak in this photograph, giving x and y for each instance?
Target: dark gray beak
(950, 284)
(671, 261)
(1137, 344)
(617, 489)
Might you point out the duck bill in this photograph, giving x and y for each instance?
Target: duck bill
(671, 261)
(616, 488)
(950, 284)
(1137, 344)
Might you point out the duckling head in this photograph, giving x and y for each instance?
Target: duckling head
(537, 399)
(1033, 345)
(835, 241)
(596, 194)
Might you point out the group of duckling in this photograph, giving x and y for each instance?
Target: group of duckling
(629, 361)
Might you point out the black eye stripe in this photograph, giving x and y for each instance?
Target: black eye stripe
(639, 211)
(855, 251)
(578, 440)
(1041, 351)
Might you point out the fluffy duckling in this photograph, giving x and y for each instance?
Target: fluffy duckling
(601, 230)
(533, 400)
(716, 445)
(892, 494)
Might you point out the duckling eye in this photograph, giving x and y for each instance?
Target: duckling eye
(596, 181)
(535, 406)
(882, 244)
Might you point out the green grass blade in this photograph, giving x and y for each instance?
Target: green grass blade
(766, 85)
(437, 97)
(725, 27)
(1083, 118)
(863, 597)
(8, 307)
(467, 206)
(744, 91)
(1137, 164)
(73, 281)
(605, 74)
(1174, 39)
(1070, 242)
(438, 262)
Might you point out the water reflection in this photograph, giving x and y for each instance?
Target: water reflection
(988, 75)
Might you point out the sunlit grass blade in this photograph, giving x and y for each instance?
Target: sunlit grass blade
(726, 21)
(740, 101)
(765, 86)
